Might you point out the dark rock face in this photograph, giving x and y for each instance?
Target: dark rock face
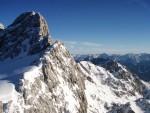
(27, 34)
(125, 108)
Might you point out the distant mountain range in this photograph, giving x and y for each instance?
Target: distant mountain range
(139, 64)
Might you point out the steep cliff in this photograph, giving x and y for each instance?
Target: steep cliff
(38, 76)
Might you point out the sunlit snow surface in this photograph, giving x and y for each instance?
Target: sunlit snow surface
(6, 91)
(10, 72)
(22, 67)
(99, 93)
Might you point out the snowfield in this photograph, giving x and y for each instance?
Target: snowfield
(100, 95)
(7, 91)
(10, 73)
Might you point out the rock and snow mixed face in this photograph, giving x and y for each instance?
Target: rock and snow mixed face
(37, 76)
(137, 63)
(28, 34)
(108, 93)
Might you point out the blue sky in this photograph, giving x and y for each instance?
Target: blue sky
(90, 26)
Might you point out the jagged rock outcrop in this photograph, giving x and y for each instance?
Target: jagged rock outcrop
(27, 34)
(110, 94)
(119, 71)
(63, 83)
(50, 81)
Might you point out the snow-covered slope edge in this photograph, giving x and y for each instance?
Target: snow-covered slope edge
(52, 85)
(108, 94)
(60, 87)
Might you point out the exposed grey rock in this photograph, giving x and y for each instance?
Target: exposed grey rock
(124, 108)
(50, 76)
(144, 104)
(120, 73)
(90, 79)
(58, 73)
(27, 34)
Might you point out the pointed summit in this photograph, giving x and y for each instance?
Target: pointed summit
(30, 20)
(27, 34)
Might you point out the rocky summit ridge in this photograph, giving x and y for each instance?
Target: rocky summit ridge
(39, 76)
(27, 34)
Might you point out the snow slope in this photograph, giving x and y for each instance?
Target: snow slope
(102, 98)
(11, 73)
(36, 82)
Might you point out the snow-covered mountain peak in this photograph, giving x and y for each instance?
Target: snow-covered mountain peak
(39, 83)
(42, 77)
(28, 35)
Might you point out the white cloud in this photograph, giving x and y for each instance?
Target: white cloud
(70, 42)
(91, 44)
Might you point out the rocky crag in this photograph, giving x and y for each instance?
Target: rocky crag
(55, 79)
